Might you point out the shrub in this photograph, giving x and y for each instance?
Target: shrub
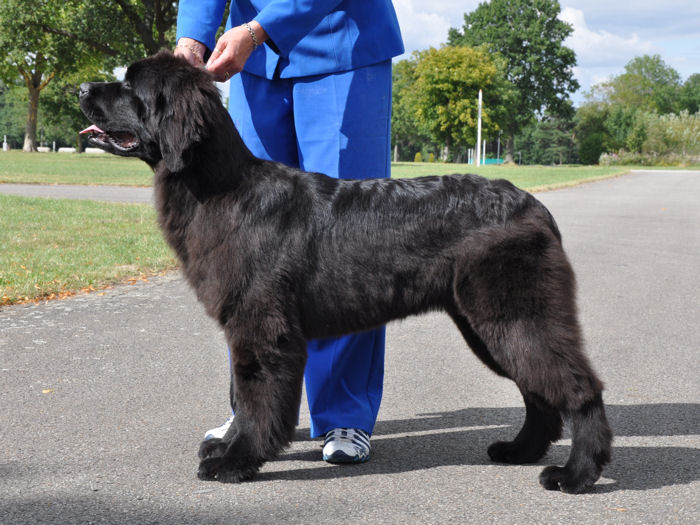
(418, 157)
(590, 148)
(626, 158)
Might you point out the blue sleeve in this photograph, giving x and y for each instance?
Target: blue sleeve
(200, 19)
(286, 22)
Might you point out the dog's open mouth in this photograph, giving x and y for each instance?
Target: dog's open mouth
(122, 140)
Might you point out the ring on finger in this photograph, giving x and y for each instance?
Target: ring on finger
(218, 50)
(227, 75)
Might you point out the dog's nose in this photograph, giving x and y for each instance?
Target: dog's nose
(84, 89)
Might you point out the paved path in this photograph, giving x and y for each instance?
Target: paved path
(103, 399)
(74, 191)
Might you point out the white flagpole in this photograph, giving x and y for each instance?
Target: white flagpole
(478, 135)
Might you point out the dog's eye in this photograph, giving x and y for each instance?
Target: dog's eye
(126, 84)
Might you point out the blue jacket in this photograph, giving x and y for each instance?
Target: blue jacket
(307, 37)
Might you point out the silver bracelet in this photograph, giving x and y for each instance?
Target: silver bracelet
(252, 35)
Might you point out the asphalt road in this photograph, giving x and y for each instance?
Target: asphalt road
(77, 191)
(104, 398)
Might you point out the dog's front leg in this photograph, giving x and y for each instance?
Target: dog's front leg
(266, 383)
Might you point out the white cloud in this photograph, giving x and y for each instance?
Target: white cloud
(600, 54)
(650, 19)
(607, 33)
(425, 25)
(601, 48)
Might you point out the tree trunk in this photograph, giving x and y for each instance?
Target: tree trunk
(510, 149)
(32, 111)
(34, 82)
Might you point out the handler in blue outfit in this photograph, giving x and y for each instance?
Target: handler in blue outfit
(314, 92)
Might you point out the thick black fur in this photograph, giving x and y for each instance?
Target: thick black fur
(279, 257)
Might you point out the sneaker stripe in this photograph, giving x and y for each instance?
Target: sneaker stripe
(346, 445)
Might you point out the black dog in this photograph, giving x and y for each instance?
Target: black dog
(279, 256)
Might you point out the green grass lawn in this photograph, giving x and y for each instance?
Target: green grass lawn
(103, 169)
(71, 168)
(531, 178)
(50, 248)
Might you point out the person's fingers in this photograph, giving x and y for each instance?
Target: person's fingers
(230, 54)
(217, 58)
(221, 62)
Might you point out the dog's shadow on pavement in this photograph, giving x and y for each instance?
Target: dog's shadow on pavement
(461, 437)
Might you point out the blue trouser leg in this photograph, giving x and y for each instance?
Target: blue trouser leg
(335, 124)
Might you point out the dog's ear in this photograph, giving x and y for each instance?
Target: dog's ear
(181, 129)
(187, 119)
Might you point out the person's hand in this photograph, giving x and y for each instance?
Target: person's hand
(191, 50)
(233, 49)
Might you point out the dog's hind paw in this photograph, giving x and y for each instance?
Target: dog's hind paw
(516, 453)
(564, 479)
(212, 448)
(215, 469)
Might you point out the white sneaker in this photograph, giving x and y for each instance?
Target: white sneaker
(219, 432)
(346, 445)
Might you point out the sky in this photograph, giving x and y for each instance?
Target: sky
(607, 33)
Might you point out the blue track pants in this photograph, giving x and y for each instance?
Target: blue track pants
(337, 124)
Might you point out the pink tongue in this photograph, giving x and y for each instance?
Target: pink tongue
(92, 128)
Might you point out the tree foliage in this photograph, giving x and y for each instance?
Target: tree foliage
(690, 94)
(529, 36)
(649, 84)
(33, 55)
(646, 110)
(406, 135)
(446, 90)
(436, 96)
(44, 40)
(550, 140)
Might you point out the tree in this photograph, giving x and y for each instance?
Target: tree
(549, 140)
(647, 84)
(620, 121)
(32, 54)
(530, 36)
(690, 94)
(592, 135)
(406, 135)
(48, 39)
(445, 94)
(13, 109)
(123, 29)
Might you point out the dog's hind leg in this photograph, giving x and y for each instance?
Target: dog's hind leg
(556, 380)
(519, 299)
(267, 381)
(590, 449)
(543, 422)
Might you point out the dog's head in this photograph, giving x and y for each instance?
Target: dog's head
(162, 110)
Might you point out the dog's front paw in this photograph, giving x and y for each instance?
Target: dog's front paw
(217, 469)
(568, 480)
(212, 448)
